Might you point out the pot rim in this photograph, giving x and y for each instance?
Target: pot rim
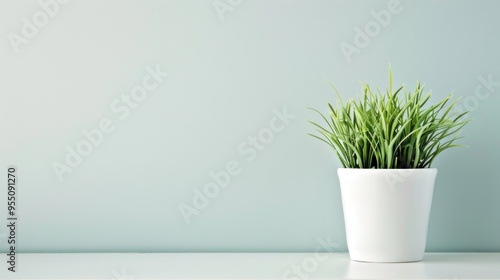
(380, 170)
(427, 168)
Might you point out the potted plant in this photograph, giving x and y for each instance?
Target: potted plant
(386, 143)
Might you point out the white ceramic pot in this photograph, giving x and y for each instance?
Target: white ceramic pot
(386, 212)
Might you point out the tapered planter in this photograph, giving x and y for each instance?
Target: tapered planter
(386, 212)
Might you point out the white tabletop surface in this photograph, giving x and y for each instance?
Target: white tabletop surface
(248, 266)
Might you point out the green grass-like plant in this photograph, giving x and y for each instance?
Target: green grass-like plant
(391, 130)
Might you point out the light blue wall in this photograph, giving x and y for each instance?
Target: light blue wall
(227, 77)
